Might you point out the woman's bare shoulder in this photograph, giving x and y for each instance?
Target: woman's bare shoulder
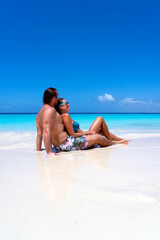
(66, 116)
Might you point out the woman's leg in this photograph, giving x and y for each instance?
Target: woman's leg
(115, 138)
(98, 126)
(104, 142)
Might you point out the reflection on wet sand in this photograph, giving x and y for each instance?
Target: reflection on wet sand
(57, 176)
(99, 158)
(65, 177)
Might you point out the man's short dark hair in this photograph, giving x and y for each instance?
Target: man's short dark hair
(49, 93)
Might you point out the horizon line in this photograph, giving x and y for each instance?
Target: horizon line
(93, 113)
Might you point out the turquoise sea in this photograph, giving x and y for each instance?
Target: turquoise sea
(119, 122)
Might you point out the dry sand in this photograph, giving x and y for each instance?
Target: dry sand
(108, 193)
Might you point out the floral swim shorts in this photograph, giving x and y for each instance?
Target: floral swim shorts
(74, 143)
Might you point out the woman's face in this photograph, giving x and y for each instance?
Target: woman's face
(64, 106)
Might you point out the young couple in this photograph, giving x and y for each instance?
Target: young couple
(57, 128)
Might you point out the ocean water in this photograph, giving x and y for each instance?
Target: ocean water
(130, 123)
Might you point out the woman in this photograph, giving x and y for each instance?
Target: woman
(98, 126)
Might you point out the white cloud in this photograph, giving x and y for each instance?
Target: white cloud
(131, 100)
(106, 98)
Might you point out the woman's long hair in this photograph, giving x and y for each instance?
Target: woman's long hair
(60, 100)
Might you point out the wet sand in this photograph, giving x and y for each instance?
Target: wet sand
(108, 193)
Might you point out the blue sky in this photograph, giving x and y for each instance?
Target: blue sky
(102, 56)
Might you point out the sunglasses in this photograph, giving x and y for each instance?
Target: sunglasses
(67, 103)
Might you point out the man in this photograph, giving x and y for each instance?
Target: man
(50, 126)
(49, 123)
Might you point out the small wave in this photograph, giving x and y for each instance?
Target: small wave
(141, 135)
(26, 139)
(17, 140)
(135, 134)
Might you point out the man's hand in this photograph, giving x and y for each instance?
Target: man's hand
(50, 155)
(35, 149)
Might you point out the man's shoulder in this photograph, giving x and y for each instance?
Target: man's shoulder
(49, 111)
(46, 109)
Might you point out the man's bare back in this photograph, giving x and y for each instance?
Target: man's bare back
(57, 126)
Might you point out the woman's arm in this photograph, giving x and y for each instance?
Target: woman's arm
(69, 127)
(84, 133)
(80, 131)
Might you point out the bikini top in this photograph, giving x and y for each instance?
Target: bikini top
(75, 126)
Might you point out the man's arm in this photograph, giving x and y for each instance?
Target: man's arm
(48, 121)
(39, 136)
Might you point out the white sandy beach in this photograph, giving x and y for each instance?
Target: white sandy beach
(108, 193)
